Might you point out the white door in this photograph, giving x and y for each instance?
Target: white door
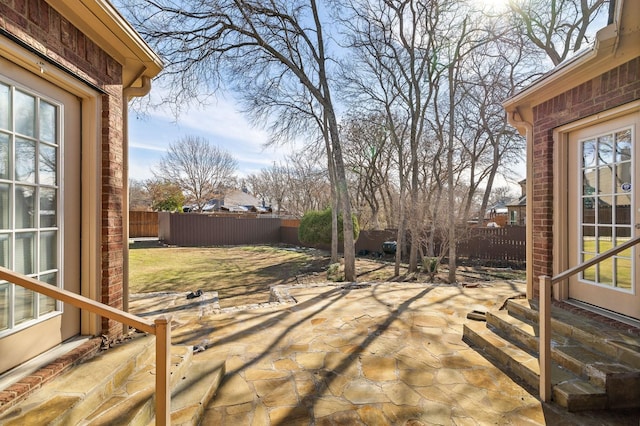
(604, 180)
(39, 211)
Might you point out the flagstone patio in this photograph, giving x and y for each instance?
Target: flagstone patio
(362, 354)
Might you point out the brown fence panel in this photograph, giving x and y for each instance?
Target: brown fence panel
(192, 230)
(499, 244)
(289, 235)
(371, 241)
(143, 224)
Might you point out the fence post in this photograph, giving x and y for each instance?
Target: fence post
(544, 344)
(163, 362)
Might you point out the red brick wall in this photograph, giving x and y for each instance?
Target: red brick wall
(613, 88)
(38, 25)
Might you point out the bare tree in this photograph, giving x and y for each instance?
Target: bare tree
(278, 45)
(139, 197)
(369, 161)
(293, 187)
(200, 169)
(556, 27)
(394, 44)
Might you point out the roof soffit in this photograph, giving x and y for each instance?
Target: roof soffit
(103, 24)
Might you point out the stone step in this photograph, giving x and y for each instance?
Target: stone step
(583, 361)
(70, 397)
(133, 402)
(191, 390)
(569, 390)
(619, 346)
(117, 387)
(566, 352)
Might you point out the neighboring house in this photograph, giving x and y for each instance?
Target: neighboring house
(582, 122)
(517, 208)
(68, 69)
(496, 215)
(236, 201)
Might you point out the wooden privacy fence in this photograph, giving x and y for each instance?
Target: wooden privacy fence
(143, 224)
(499, 244)
(494, 244)
(192, 230)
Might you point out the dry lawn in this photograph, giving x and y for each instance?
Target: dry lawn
(243, 274)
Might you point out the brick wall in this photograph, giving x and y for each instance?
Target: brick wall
(613, 88)
(38, 25)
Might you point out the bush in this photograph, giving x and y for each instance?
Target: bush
(315, 227)
(335, 272)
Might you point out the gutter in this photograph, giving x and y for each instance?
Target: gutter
(515, 119)
(138, 91)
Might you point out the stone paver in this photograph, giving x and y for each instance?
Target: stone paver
(383, 354)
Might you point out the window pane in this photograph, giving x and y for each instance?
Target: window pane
(48, 163)
(623, 210)
(623, 273)
(589, 273)
(4, 205)
(589, 153)
(605, 182)
(25, 113)
(48, 250)
(589, 182)
(4, 156)
(24, 305)
(623, 177)
(604, 210)
(25, 253)
(605, 272)
(623, 145)
(47, 304)
(4, 306)
(5, 246)
(588, 210)
(25, 160)
(5, 104)
(47, 122)
(48, 217)
(589, 239)
(24, 207)
(605, 149)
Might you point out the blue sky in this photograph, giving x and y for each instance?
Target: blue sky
(220, 123)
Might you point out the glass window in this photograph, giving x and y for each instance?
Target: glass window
(29, 195)
(606, 206)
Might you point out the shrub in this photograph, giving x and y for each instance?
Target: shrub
(315, 227)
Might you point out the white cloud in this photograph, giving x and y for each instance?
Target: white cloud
(219, 123)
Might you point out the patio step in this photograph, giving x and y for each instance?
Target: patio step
(117, 387)
(616, 344)
(583, 376)
(569, 390)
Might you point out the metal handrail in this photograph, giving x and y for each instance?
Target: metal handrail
(546, 283)
(160, 328)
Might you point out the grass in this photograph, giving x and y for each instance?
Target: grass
(240, 275)
(244, 274)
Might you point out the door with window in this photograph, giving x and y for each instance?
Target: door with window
(39, 211)
(603, 212)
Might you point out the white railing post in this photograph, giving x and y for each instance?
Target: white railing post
(163, 362)
(544, 327)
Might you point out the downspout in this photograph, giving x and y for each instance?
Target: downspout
(515, 119)
(128, 93)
